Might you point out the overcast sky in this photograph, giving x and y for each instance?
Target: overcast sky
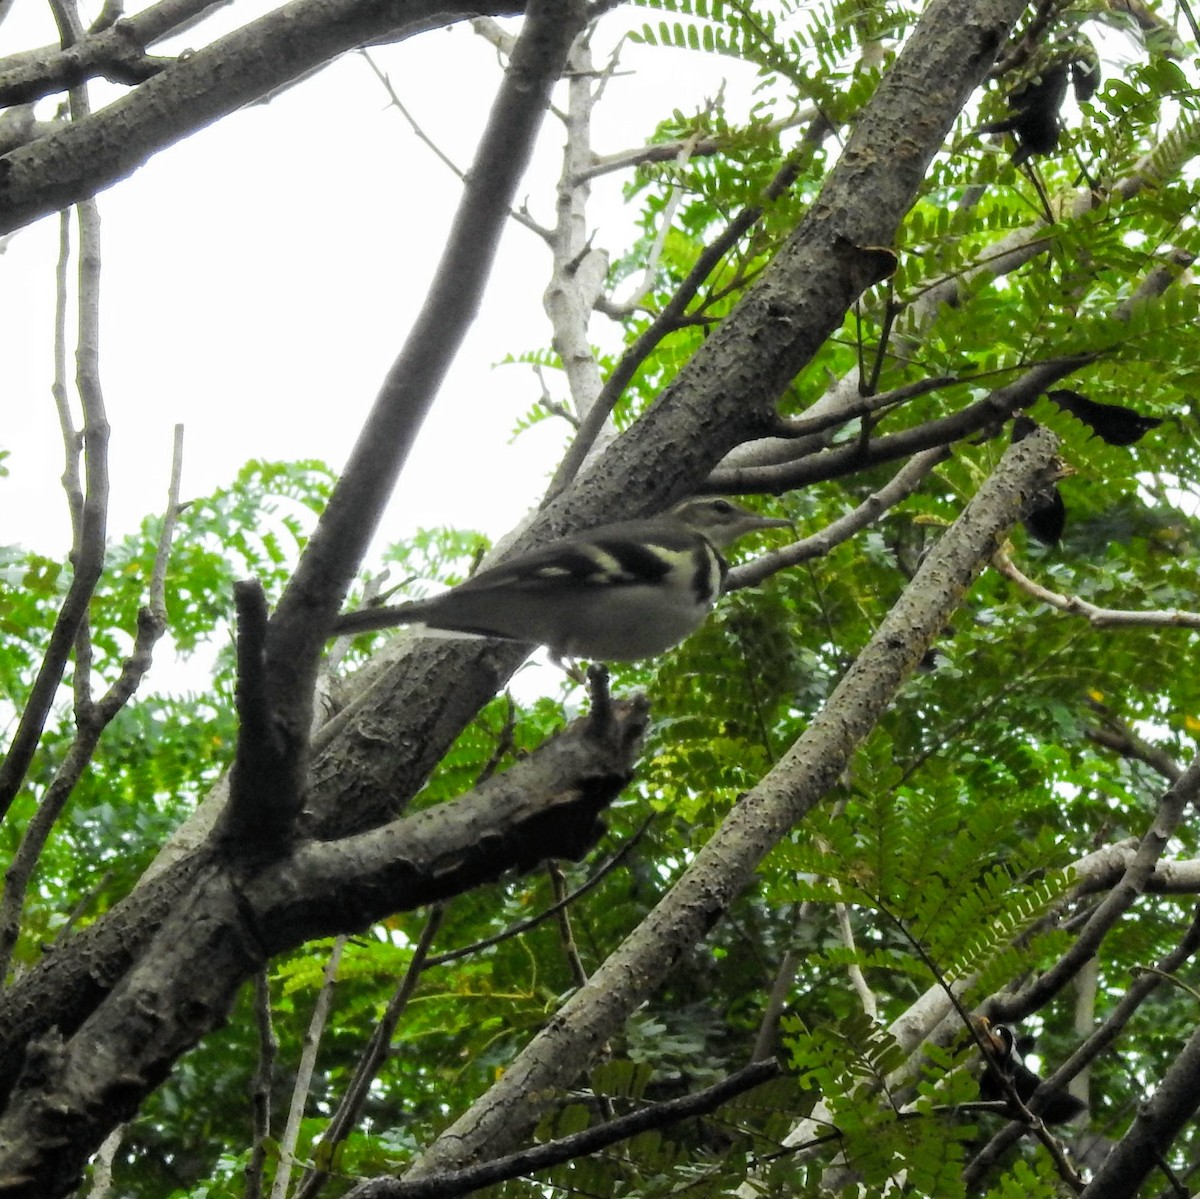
(260, 276)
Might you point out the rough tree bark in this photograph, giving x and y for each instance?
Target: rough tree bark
(347, 866)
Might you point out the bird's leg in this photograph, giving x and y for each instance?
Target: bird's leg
(597, 682)
(571, 668)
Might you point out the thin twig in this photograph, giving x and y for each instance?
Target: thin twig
(304, 1072)
(905, 481)
(350, 1108)
(518, 215)
(699, 147)
(580, 1144)
(1099, 617)
(566, 935)
(666, 220)
(596, 416)
(524, 926)
(88, 510)
(260, 1087)
(91, 724)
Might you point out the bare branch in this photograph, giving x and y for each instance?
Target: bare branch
(833, 463)
(113, 50)
(260, 1093)
(696, 147)
(902, 485)
(1098, 617)
(213, 927)
(304, 1072)
(580, 1144)
(665, 221)
(666, 321)
(1115, 735)
(89, 509)
(350, 1108)
(420, 133)
(1114, 905)
(523, 926)
(78, 161)
(307, 608)
(92, 720)
(102, 1164)
(858, 980)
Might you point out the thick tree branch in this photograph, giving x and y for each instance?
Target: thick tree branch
(300, 625)
(87, 156)
(784, 796)
(854, 456)
(565, 1149)
(77, 1083)
(114, 50)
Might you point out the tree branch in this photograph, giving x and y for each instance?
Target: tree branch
(92, 720)
(1114, 905)
(87, 156)
(114, 51)
(1098, 617)
(1103, 1038)
(905, 481)
(82, 1078)
(304, 1071)
(665, 322)
(350, 1108)
(784, 796)
(565, 1149)
(89, 509)
(854, 456)
(300, 625)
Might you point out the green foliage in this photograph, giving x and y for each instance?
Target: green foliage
(951, 849)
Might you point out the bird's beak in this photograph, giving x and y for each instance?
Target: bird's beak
(774, 522)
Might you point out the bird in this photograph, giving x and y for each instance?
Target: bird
(1004, 1062)
(615, 593)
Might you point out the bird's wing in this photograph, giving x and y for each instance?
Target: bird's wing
(607, 556)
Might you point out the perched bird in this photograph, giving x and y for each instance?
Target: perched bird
(1006, 1063)
(1035, 100)
(611, 594)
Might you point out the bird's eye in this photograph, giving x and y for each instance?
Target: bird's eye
(723, 507)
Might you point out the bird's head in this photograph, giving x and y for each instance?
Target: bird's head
(722, 521)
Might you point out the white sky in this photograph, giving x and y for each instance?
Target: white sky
(260, 276)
